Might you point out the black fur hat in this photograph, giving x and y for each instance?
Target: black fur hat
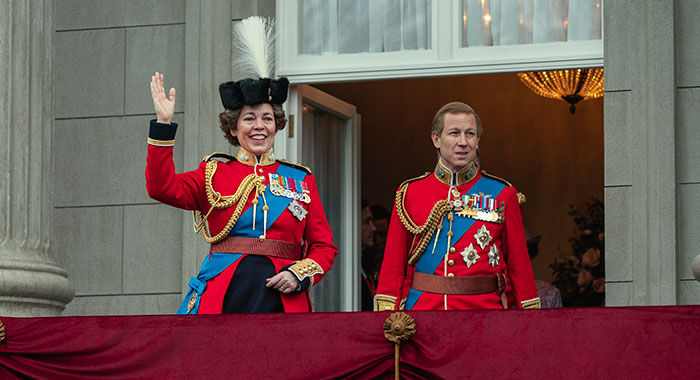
(254, 52)
(235, 95)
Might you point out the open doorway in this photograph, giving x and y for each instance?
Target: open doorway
(552, 156)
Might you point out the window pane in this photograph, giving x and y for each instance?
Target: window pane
(361, 26)
(512, 22)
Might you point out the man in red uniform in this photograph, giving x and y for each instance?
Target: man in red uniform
(456, 239)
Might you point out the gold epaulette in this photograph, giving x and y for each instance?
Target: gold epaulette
(218, 155)
(295, 165)
(496, 178)
(406, 182)
(521, 198)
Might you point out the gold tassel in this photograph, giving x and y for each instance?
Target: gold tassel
(265, 208)
(398, 327)
(451, 218)
(439, 229)
(255, 210)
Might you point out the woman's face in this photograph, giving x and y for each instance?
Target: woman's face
(255, 129)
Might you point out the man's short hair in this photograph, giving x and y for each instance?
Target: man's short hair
(363, 203)
(379, 212)
(454, 107)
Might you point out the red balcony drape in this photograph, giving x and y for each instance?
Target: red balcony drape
(634, 342)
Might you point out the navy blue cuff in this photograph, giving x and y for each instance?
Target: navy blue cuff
(160, 131)
(305, 283)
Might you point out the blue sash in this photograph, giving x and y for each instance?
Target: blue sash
(212, 266)
(428, 262)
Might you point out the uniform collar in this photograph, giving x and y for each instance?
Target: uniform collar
(450, 178)
(247, 158)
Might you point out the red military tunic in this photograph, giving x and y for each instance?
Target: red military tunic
(188, 191)
(480, 245)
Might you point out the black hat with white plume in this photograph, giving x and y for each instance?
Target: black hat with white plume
(255, 41)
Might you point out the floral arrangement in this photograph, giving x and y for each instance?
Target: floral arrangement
(580, 276)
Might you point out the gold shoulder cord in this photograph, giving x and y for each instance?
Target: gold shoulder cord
(496, 177)
(217, 201)
(440, 209)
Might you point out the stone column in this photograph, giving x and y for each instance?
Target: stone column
(640, 154)
(31, 283)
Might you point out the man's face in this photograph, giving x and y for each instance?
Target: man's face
(458, 141)
(382, 226)
(368, 228)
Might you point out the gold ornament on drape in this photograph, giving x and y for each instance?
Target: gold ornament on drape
(2, 332)
(398, 327)
(571, 86)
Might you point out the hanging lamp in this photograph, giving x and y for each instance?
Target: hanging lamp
(571, 85)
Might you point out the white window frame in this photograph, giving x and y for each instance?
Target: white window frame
(289, 143)
(445, 57)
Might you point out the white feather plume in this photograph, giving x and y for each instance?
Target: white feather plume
(254, 56)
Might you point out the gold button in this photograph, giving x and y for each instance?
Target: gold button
(453, 249)
(450, 275)
(261, 170)
(451, 263)
(470, 256)
(262, 178)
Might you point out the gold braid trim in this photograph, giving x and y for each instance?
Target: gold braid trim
(531, 304)
(305, 268)
(496, 178)
(217, 201)
(440, 209)
(383, 302)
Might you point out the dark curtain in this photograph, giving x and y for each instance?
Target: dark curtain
(586, 343)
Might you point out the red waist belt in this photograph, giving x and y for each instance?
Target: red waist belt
(461, 285)
(253, 246)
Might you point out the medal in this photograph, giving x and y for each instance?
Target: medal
(289, 188)
(469, 255)
(483, 237)
(494, 256)
(297, 210)
(482, 207)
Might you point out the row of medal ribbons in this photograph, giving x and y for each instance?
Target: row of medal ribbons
(289, 188)
(482, 203)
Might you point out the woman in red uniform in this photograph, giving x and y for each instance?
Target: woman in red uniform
(270, 239)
